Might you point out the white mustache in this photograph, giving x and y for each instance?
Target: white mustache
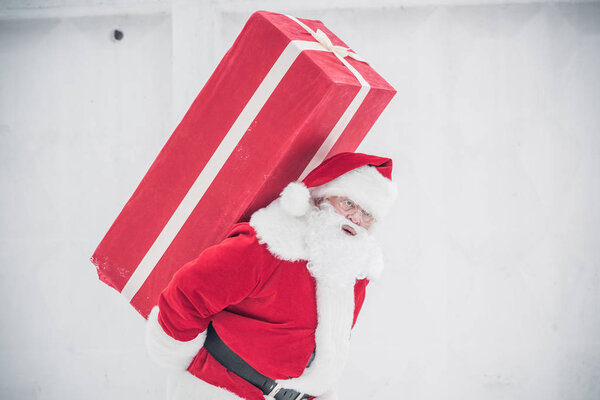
(343, 220)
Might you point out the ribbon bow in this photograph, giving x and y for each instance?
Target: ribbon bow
(338, 50)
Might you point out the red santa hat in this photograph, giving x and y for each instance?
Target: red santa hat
(365, 179)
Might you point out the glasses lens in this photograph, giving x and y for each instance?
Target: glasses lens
(346, 204)
(367, 219)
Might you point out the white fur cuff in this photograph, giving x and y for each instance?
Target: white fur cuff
(185, 386)
(165, 350)
(330, 395)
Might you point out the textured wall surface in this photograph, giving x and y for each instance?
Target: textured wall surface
(492, 287)
(81, 118)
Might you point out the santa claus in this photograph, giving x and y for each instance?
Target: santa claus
(267, 313)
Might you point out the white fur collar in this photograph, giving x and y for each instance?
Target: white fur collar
(281, 232)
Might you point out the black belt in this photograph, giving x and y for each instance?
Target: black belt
(234, 363)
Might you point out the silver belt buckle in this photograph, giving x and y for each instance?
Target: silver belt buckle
(300, 396)
(274, 391)
(277, 388)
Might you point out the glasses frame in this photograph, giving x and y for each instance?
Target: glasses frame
(349, 206)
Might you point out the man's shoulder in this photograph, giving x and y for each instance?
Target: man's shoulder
(242, 230)
(240, 250)
(242, 241)
(242, 236)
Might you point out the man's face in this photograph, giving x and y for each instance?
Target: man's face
(339, 246)
(352, 211)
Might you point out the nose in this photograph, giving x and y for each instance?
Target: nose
(354, 217)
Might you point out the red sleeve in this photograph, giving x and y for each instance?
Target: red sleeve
(360, 289)
(222, 275)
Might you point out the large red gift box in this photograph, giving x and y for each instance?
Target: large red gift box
(285, 96)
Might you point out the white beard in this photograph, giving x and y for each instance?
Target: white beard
(336, 258)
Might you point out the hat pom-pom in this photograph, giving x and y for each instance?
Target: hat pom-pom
(295, 199)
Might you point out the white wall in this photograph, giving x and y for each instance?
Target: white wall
(493, 283)
(81, 119)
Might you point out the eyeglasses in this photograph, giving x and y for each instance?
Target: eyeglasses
(351, 207)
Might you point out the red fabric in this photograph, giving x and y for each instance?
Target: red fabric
(341, 163)
(262, 307)
(280, 142)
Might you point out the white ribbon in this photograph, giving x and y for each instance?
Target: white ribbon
(324, 40)
(338, 129)
(338, 50)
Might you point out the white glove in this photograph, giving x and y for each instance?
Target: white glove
(165, 350)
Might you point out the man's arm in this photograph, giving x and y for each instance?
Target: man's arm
(221, 276)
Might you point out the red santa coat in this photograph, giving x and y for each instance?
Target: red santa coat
(256, 290)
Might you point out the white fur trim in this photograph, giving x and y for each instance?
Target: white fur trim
(165, 350)
(185, 386)
(295, 199)
(335, 310)
(364, 185)
(331, 395)
(281, 232)
(285, 235)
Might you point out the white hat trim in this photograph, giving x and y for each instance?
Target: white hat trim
(365, 186)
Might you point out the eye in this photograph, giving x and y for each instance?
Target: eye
(345, 204)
